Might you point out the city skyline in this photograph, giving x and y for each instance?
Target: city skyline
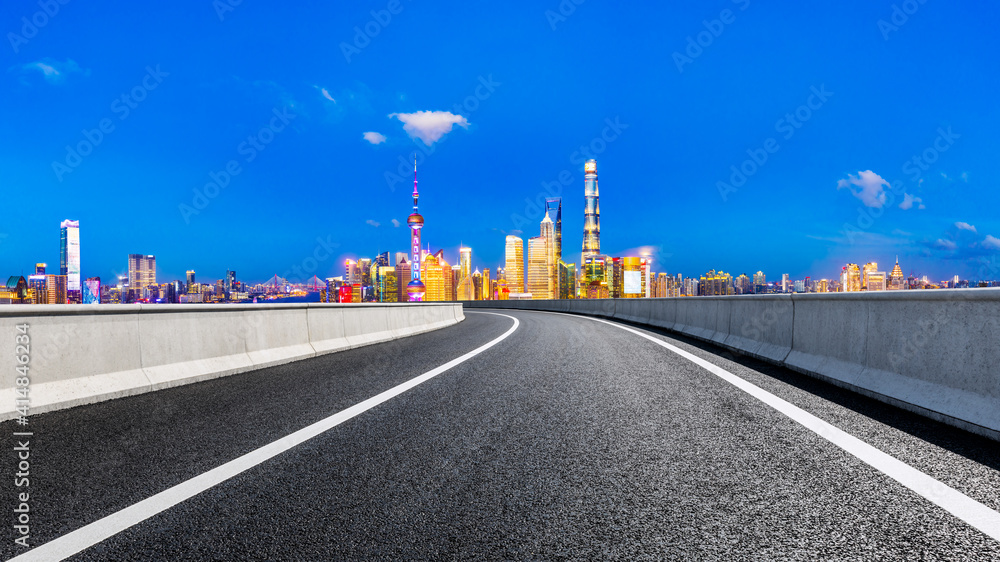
(297, 160)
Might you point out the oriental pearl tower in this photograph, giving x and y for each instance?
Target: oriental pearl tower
(415, 288)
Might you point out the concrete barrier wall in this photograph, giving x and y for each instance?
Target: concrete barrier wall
(84, 354)
(936, 353)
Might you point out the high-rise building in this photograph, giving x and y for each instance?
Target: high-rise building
(56, 287)
(548, 232)
(896, 280)
(553, 208)
(591, 213)
(487, 293)
(402, 278)
(539, 274)
(190, 281)
(92, 290)
(39, 291)
(40, 268)
(715, 283)
(876, 281)
(514, 264)
(568, 283)
(388, 286)
(464, 287)
(229, 284)
(634, 282)
(69, 257)
(850, 278)
(415, 289)
(437, 276)
(759, 283)
(786, 284)
(869, 268)
(141, 274)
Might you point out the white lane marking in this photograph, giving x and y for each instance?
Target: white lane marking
(951, 500)
(89, 535)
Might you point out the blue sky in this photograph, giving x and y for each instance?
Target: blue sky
(672, 101)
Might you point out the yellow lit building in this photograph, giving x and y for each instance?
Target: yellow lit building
(437, 275)
(896, 280)
(514, 264)
(869, 268)
(850, 278)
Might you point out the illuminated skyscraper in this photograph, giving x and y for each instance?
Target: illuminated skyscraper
(591, 213)
(850, 278)
(190, 281)
(869, 268)
(141, 274)
(415, 289)
(465, 288)
(40, 268)
(543, 273)
(896, 280)
(69, 257)
(539, 279)
(92, 290)
(553, 208)
(514, 264)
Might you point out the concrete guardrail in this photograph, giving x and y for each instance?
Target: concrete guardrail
(935, 352)
(80, 354)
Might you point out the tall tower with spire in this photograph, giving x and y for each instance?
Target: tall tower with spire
(415, 288)
(591, 213)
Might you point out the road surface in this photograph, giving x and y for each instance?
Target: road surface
(555, 437)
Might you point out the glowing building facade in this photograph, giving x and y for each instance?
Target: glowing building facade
(415, 289)
(850, 278)
(69, 255)
(591, 213)
(514, 264)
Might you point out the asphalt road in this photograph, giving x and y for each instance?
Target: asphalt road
(569, 439)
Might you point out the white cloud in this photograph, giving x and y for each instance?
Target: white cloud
(992, 242)
(965, 226)
(327, 95)
(867, 186)
(899, 232)
(373, 137)
(53, 71)
(946, 244)
(965, 177)
(373, 223)
(395, 223)
(909, 201)
(429, 126)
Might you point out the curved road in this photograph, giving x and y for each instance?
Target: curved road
(569, 438)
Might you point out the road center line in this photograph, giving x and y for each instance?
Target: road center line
(951, 500)
(93, 533)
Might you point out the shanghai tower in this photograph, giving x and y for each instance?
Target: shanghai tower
(591, 213)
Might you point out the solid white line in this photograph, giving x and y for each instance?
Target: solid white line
(89, 535)
(951, 500)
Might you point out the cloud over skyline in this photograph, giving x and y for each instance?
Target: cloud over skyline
(430, 126)
(867, 186)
